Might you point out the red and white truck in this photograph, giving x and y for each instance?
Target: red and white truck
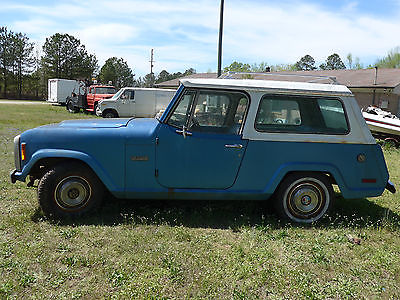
(96, 93)
(87, 97)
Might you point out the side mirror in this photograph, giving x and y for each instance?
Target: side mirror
(183, 132)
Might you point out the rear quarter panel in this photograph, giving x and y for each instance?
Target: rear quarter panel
(270, 156)
(266, 163)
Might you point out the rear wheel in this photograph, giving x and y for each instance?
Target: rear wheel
(69, 190)
(304, 197)
(71, 108)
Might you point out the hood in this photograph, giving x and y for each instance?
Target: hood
(72, 130)
(90, 135)
(93, 123)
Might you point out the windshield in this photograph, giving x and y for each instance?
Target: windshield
(105, 90)
(116, 96)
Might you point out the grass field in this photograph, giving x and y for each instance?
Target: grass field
(191, 250)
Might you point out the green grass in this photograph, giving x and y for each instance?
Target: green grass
(187, 249)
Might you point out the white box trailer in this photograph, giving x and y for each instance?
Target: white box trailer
(135, 102)
(60, 89)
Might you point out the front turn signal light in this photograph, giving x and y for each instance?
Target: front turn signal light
(23, 151)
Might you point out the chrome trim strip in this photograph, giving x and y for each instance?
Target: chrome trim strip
(17, 152)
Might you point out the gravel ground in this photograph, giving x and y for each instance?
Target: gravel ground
(22, 102)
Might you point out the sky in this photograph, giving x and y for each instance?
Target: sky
(184, 33)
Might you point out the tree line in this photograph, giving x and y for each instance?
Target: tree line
(24, 72)
(308, 63)
(16, 60)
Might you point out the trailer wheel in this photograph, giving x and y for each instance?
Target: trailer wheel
(71, 108)
(304, 197)
(69, 190)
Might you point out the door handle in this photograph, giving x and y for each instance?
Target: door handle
(235, 146)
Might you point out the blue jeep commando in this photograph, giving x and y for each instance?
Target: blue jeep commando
(282, 142)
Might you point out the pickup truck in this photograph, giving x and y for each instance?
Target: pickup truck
(96, 93)
(87, 98)
(286, 143)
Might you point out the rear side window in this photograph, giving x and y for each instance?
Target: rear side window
(333, 114)
(301, 114)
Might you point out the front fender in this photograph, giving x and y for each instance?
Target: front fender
(61, 153)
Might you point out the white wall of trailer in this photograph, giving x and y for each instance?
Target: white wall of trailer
(60, 89)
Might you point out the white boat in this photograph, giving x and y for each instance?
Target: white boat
(382, 123)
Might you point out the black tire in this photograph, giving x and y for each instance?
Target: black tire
(304, 197)
(71, 108)
(391, 142)
(110, 114)
(69, 190)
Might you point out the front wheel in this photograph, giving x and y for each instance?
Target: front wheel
(304, 197)
(110, 114)
(69, 190)
(71, 108)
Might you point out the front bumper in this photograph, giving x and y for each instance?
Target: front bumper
(13, 178)
(98, 111)
(16, 175)
(390, 187)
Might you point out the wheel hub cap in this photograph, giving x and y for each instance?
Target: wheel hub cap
(305, 199)
(72, 192)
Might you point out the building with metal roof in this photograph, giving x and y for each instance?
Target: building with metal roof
(379, 87)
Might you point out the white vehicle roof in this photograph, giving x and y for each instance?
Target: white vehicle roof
(146, 89)
(265, 85)
(359, 132)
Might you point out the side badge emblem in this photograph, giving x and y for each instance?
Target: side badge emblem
(139, 158)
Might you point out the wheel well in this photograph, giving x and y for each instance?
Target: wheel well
(328, 175)
(110, 110)
(43, 165)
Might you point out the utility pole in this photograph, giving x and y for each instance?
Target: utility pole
(221, 24)
(151, 68)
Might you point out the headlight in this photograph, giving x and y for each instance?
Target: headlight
(17, 153)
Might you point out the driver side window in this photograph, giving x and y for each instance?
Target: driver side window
(182, 111)
(125, 95)
(219, 112)
(210, 111)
